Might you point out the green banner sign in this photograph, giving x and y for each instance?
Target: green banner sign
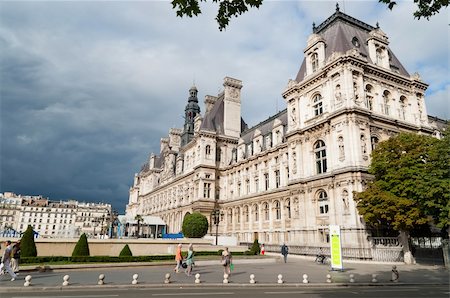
(336, 251)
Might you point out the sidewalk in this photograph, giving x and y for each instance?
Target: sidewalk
(266, 271)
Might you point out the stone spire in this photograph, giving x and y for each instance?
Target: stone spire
(190, 112)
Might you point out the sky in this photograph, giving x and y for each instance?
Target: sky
(88, 88)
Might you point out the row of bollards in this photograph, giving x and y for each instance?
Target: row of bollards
(135, 277)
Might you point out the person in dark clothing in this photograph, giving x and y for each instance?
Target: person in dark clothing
(15, 257)
(284, 251)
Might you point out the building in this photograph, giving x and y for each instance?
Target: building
(291, 176)
(55, 219)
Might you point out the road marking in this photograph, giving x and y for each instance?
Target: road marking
(80, 296)
(195, 294)
(392, 290)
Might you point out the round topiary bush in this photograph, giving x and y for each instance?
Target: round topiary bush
(27, 245)
(126, 251)
(82, 247)
(195, 225)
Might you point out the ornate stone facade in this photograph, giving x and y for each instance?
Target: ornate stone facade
(291, 176)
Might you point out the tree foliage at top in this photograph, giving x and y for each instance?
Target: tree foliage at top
(234, 8)
(27, 244)
(82, 247)
(425, 8)
(411, 183)
(195, 225)
(227, 9)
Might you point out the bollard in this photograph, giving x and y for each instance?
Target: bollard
(27, 281)
(135, 279)
(352, 278)
(66, 280)
(101, 279)
(167, 280)
(328, 278)
(225, 278)
(280, 278)
(395, 274)
(374, 278)
(197, 278)
(252, 279)
(305, 278)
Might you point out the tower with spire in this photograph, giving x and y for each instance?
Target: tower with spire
(190, 112)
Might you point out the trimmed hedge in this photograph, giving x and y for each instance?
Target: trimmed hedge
(108, 259)
(82, 247)
(126, 251)
(27, 244)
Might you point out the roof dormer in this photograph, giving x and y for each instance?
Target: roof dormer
(314, 53)
(378, 48)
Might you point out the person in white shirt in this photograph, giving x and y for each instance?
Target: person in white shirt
(6, 260)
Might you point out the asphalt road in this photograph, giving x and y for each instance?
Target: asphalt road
(240, 291)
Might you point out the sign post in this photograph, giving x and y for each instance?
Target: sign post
(335, 249)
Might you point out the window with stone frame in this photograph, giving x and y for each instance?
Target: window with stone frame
(277, 178)
(208, 151)
(320, 157)
(322, 200)
(246, 215)
(266, 181)
(238, 214)
(266, 211)
(277, 210)
(314, 61)
(317, 105)
(403, 105)
(256, 213)
(369, 97)
(207, 190)
(288, 208)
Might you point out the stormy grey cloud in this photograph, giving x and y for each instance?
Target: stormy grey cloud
(89, 88)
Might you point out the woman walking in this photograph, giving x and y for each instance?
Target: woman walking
(226, 261)
(178, 259)
(189, 260)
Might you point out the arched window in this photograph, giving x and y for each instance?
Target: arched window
(321, 157)
(208, 151)
(256, 212)
(386, 99)
(314, 61)
(403, 104)
(288, 208)
(317, 105)
(238, 215)
(266, 211)
(323, 202)
(379, 56)
(277, 210)
(246, 213)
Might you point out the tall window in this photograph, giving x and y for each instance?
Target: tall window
(266, 180)
(323, 202)
(402, 112)
(374, 142)
(317, 105)
(246, 213)
(386, 98)
(238, 215)
(266, 211)
(206, 190)
(256, 212)
(277, 210)
(256, 184)
(321, 157)
(247, 186)
(314, 61)
(277, 178)
(288, 208)
(208, 151)
(369, 97)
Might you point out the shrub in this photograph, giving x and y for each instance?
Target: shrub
(255, 249)
(126, 251)
(27, 245)
(195, 225)
(81, 248)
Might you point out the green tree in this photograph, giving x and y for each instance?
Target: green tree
(139, 218)
(82, 247)
(228, 9)
(125, 252)
(255, 249)
(425, 8)
(408, 190)
(27, 244)
(195, 225)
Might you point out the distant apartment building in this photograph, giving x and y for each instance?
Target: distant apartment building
(55, 219)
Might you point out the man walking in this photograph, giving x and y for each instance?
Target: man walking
(284, 251)
(6, 260)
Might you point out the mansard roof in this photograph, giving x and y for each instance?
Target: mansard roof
(265, 127)
(338, 32)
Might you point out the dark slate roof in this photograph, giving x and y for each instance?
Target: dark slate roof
(338, 32)
(265, 126)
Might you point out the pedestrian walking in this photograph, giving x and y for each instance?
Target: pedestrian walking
(15, 257)
(227, 260)
(178, 258)
(6, 260)
(284, 251)
(263, 249)
(189, 260)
